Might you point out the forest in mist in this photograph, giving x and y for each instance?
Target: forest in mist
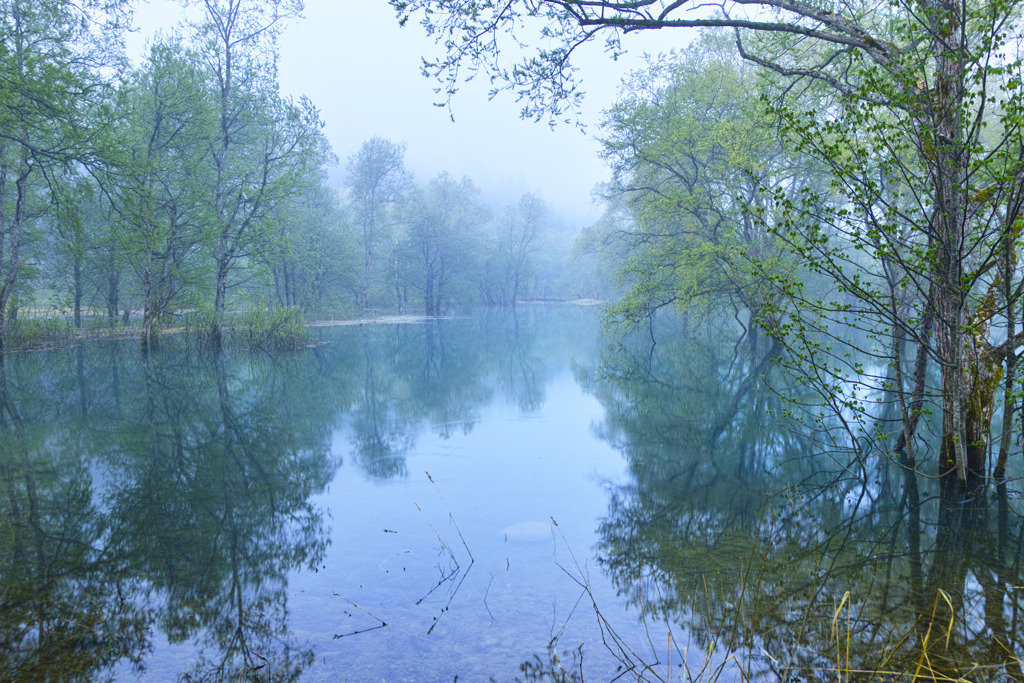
(831, 204)
(780, 357)
(185, 189)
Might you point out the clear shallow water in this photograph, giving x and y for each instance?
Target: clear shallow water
(256, 517)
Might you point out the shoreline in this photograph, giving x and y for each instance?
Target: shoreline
(80, 336)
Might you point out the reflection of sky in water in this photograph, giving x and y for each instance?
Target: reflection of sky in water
(504, 479)
(193, 476)
(507, 471)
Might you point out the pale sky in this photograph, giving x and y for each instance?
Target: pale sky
(361, 70)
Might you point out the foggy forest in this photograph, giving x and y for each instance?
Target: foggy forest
(287, 393)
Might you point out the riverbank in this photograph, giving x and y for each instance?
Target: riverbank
(45, 330)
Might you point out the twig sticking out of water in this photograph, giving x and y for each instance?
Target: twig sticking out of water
(451, 556)
(443, 544)
(458, 568)
(632, 664)
(486, 593)
(365, 630)
(444, 579)
(450, 599)
(450, 516)
(609, 637)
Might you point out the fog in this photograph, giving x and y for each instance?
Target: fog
(362, 71)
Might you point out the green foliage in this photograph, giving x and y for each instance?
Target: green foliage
(271, 328)
(920, 223)
(28, 332)
(376, 180)
(58, 60)
(160, 183)
(317, 264)
(196, 322)
(692, 154)
(442, 243)
(508, 270)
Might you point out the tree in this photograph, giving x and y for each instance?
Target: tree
(81, 228)
(443, 223)
(159, 184)
(376, 178)
(915, 108)
(262, 146)
(691, 154)
(519, 232)
(318, 261)
(58, 59)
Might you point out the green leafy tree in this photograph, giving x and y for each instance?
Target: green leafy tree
(691, 154)
(520, 233)
(318, 265)
(159, 185)
(915, 109)
(443, 224)
(376, 179)
(58, 59)
(262, 145)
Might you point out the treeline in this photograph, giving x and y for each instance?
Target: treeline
(187, 188)
(437, 246)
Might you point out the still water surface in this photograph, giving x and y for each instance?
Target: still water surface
(492, 496)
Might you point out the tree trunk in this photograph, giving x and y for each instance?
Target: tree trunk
(147, 303)
(1009, 261)
(428, 294)
(364, 292)
(219, 305)
(113, 280)
(78, 292)
(941, 131)
(10, 278)
(920, 374)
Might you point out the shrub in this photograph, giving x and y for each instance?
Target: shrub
(272, 329)
(35, 331)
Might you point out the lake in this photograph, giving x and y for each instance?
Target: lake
(499, 495)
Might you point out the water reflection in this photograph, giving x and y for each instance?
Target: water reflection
(63, 591)
(746, 541)
(175, 498)
(439, 376)
(168, 499)
(171, 500)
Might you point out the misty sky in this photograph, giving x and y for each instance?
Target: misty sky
(361, 70)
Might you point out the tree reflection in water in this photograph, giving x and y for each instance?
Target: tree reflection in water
(439, 376)
(63, 605)
(168, 497)
(744, 540)
(180, 504)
